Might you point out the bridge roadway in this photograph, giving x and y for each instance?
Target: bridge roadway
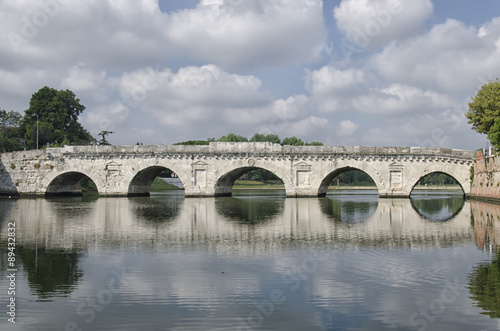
(211, 170)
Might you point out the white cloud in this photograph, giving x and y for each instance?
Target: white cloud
(235, 65)
(243, 34)
(123, 34)
(374, 23)
(328, 80)
(346, 128)
(400, 98)
(450, 57)
(305, 127)
(332, 88)
(81, 79)
(196, 97)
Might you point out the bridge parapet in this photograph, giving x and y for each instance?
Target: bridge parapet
(257, 147)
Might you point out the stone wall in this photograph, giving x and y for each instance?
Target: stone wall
(486, 181)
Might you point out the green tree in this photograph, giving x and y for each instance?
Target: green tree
(484, 110)
(294, 141)
(10, 119)
(10, 137)
(259, 137)
(103, 135)
(193, 142)
(57, 111)
(231, 137)
(494, 133)
(314, 143)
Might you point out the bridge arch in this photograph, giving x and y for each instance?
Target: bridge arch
(67, 182)
(140, 183)
(462, 182)
(224, 184)
(323, 187)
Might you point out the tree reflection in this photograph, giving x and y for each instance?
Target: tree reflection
(352, 211)
(437, 208)
(249, 210)
(484, 286)
(51, 272)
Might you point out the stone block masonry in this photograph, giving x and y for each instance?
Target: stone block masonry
(211, 170)
(486, 178)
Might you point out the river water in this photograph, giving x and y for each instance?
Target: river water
(254, 261)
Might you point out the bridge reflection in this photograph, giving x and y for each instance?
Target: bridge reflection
(484, 280)
(229, 223)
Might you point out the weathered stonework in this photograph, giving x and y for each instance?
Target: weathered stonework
(486, 183)
(210, 170)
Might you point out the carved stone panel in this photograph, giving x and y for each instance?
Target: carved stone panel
(200, 178)
(396, 175)
(200, 174)
(302, 177)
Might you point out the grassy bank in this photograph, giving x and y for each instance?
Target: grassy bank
(161, 185)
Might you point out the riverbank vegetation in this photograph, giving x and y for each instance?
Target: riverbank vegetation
(258, 137)
(484, 112)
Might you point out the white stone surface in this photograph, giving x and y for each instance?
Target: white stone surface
(210, 170)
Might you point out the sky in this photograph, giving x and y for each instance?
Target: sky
(343, 72)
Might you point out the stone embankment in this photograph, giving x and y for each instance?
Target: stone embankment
(486, 178)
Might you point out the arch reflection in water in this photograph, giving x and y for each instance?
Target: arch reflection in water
(354, 209)
(437, 207)
(249, 209)
(157, 209)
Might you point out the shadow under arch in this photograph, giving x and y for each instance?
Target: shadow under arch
(437, 208)
(457, 183)
(224, 185)
(67, 184)
(323, 188)
(140, 185)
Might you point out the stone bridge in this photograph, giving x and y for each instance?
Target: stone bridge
(211, 170)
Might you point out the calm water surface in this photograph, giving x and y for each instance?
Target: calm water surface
(255, 261)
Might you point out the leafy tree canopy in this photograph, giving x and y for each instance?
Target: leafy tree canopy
(57, 112)
(103, 140)
(9, 131)
(294, 141)
(231, 137)
(10, 119)
(484, 110)
(314, 143)
(193, 142)
(494, 133)
(259, 137)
